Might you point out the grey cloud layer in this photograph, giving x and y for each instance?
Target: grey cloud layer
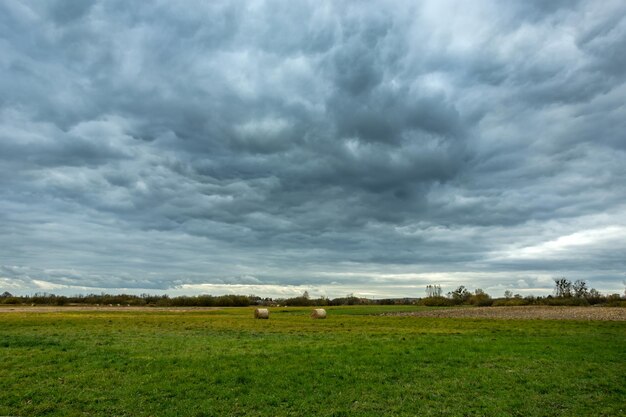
(156, 145)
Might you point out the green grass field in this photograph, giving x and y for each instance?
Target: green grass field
(225, 363)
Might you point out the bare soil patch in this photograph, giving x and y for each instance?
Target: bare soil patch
(524, 313)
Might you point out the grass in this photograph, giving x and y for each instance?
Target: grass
(225, 363)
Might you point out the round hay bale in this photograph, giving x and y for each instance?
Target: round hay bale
(261, 313)
(318, 313)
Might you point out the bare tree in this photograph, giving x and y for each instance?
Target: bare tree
(580, 288)
(433, 290)
(429, 290)
(563, 287)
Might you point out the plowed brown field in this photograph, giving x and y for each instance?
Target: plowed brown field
(524, 313)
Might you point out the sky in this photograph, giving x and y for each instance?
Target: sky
(338, 147)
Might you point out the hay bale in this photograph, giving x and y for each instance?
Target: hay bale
(261, 313)
(318, 313)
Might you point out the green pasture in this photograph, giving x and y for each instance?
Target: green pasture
(354, 363)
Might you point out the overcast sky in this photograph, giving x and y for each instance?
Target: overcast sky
(272, 147)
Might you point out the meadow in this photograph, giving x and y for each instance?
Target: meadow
(223, 362)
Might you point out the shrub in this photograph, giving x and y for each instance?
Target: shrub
(436, 302)
(511, 302)
(565, 301)
(616, 303)
(614, 300)
(480, 298)
(11, 300)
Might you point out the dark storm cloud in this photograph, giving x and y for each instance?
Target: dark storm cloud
(206, 145)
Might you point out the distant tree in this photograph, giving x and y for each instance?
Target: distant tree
(562, 287)
(429, 290)
(580, 288)
(594, 297)
(433, 290)
(6, 294)
(508, 294)
(460, 295)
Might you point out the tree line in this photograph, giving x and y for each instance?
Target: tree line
(149, 300)
(565, 293)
